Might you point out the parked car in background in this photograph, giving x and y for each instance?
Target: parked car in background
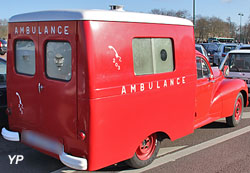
(222, 52)
(202, 50)
(3, 97)
(243, 46)
(211, 48)
(238, 62)
(3, 47)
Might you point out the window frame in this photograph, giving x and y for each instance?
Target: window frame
(152, 57)
(45, 60)
(25, 74)
(207, 66)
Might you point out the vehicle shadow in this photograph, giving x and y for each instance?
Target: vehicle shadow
(214, 125)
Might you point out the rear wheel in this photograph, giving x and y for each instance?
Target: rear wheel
(234, 120)
(145, 153)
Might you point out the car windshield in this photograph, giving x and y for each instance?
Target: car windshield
(239, 62)
(2, 71)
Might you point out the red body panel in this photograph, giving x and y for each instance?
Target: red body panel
(215, 96)
(113, 107)
(121, 120)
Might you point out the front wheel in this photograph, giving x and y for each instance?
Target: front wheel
(145, 153)
(234, 120)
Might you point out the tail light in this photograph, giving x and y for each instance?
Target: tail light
(82, 135)
(223, 55)
(1, 44)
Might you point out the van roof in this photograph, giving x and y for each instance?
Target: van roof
(240, 51)
(98, 15)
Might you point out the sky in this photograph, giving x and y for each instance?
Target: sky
(218, 8)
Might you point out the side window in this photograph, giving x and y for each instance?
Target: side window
(152, 55)
(58, 60)
(25, 60)
(202, 68)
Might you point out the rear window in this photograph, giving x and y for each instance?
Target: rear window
(152, 55)
(228, 48)
(58, 60)
(239, 62)
(25, 60)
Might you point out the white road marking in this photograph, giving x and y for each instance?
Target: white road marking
(164, 151)
(190, 150)
(246, 115)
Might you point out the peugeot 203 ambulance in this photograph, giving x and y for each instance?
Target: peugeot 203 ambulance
(93, 88)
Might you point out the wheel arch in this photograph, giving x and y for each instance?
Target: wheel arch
(243, 92)
(162, 135)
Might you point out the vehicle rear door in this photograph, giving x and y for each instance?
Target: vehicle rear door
(57, 82)
(42, 77)
(22, 75)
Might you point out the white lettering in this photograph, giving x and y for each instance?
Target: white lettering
(21, 30)
(158, 85)
(16, 30)
(183, 80)
(59, 30)
(42, 30)
(39, 30)
(33, 29)
(66, 30)
(11, 159)
(27, 30)
(171, 82)
(178, 81)
(142, 87)
(53, 30)
(133, 88)
(19, 158)
(124, 90)
(46, 31)
(150, 86)
(165, 83)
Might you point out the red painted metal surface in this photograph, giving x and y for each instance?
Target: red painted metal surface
(146, 148)
(114, 108)
(238, 109)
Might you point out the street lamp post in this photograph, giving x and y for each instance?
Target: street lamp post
(241, 15)
(194, 12)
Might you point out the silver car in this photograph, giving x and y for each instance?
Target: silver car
(222, 51)
(238, 62)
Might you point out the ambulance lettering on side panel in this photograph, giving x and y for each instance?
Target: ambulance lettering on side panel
(20, 104)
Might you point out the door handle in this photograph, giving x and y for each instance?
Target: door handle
(40, 87)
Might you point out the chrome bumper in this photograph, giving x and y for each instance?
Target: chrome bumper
(9, 135)
(73, 162)
(78, 163)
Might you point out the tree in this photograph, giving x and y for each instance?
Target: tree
(179, 13)
(3, 28)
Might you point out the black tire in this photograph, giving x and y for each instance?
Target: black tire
(136, 162)
(234, 120)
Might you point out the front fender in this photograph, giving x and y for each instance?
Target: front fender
(226, 94)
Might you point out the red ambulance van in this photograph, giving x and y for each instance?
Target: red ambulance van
(93, 88)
